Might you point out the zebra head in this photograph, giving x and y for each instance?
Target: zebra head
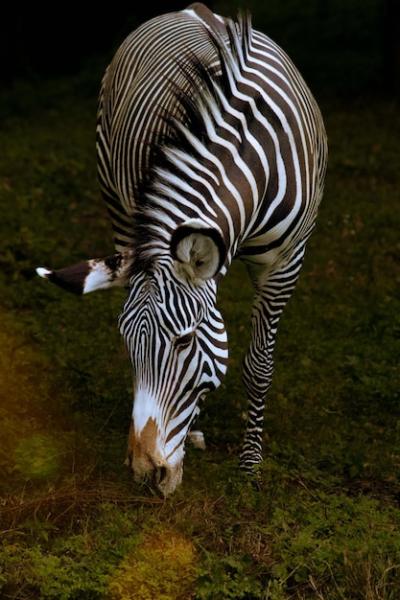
(175, 337)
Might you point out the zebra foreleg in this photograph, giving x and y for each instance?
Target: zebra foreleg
(272, 293)
(257, 377)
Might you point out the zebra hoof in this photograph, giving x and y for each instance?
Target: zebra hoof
(253, 477)
(251, 469)
(256, 481)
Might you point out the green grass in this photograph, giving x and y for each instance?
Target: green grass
(326, 521)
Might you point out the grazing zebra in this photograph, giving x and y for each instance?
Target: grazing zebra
(210, 147)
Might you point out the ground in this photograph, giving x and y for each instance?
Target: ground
(325, 523)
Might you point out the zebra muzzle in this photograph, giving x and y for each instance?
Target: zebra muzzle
(146, 458)
(163, 480)
(159, 475)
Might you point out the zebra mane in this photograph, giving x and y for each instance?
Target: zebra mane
(213, 87)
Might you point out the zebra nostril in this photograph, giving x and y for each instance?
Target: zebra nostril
(163, 474)
(159, 475)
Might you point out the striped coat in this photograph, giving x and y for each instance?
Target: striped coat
(210, 147)
(282, 165)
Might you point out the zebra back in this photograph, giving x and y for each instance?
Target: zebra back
(138, 90)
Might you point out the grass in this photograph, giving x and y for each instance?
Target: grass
(326, 521)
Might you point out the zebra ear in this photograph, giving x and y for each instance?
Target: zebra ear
(198, 249)
(94, 274)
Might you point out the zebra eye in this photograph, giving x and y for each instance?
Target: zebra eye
(184, 340)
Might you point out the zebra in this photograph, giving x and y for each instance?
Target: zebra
(210, 147)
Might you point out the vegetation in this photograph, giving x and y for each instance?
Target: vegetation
(325, 523)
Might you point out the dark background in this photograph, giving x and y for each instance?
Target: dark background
(341, 46)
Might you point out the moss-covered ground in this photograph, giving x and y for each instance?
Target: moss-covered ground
(326, 522)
